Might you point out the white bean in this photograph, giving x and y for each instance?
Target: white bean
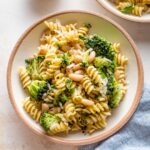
(65, 48)
(79, 72)
(87, 102)
(91, 57)
(77, 58)
(75, 77)
(77, 67)
(69, 68)
(73, 52)
(45, 107)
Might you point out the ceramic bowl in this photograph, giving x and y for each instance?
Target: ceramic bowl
(145, 18)
(29, 41)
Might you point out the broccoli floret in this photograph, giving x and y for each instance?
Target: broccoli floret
(116, 97)
(84, 64)
(66, 59)
(38, 88)
(111, 85)
(109, 69)
(32, 66)
(101, 62)
(48, 119)
(62, 98)
(103, 75)
(68, 86)
(100, 46)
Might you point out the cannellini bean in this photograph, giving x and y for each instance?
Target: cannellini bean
(73, 52)
(45, 107)
(65, 48)
(77, 58)
(77, 67)
(87, 102)
(69, 68)
(91, 57)
(79, 72)
(78, 46)
(75, 77)
(55, 110)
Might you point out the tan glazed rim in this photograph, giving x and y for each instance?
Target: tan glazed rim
(90, 140)
(124, 16)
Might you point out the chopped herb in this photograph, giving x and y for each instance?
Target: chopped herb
(68, 86)
(62, 98)
(71, 90)
(82, 37)
(66, 59)
(53, 86)
(127, 9)
(84, 64)
(48, 63)
(88, 25)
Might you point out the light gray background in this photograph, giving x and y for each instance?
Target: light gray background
(15, 17)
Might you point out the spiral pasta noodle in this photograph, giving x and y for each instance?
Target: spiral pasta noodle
(70, 27)
(70, 112)
(58, 127)
(60, 81)
(56, 63)
(121, 59)
(83, 31)
(24, 77)
(32, 109)
(116, 47)
(53, 26)
(94, 75)
(138, 10)
(87, 84)
(120, 75)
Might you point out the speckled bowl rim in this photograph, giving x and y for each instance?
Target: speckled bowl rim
(102, 136)
(124, 16)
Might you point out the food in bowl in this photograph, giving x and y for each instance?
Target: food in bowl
(74, 80)
(134, 7)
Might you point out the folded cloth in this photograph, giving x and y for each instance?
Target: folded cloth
(135, 135)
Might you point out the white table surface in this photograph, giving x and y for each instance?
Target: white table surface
(16, 16)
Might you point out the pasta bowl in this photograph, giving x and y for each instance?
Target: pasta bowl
(26, 46)
(108, 5)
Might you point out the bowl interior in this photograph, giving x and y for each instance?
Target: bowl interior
(100, 26)
(112, 8)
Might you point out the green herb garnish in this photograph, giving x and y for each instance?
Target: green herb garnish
(127, 9)
(84, 64)
(66, 59)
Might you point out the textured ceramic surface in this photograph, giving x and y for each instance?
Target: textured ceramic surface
(145, 18)
(27, 45)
